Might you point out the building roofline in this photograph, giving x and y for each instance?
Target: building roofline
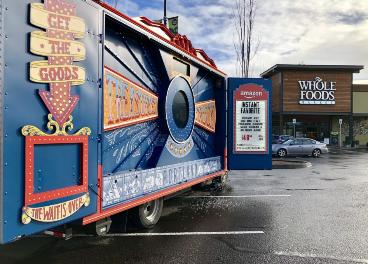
(302, 67)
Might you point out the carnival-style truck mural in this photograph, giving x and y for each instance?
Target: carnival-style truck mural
(103, 116)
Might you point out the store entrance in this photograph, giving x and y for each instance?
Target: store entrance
(315, 127)
(318, 133)
(316, 130)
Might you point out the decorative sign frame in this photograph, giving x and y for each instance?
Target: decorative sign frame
(180, 135)
(250, 120)
(31, 141)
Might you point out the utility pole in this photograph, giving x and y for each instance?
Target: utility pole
(165, 17)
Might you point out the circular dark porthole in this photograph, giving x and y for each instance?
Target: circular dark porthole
(180, 109)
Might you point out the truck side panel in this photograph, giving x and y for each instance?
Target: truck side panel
(140, 155)
(101, 113)
(47, 179)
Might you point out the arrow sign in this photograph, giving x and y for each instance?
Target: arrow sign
(62, 27)
(59, 101)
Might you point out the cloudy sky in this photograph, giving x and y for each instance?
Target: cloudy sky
(323, 32)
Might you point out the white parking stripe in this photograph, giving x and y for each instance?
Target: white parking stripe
(168, 234)
(189, 233)
(239, 196)
(314, 256)
(244, 178)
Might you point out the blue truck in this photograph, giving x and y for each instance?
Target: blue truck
(103, 116)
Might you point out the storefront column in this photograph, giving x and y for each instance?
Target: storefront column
(281, 125)
(281, 122)
(351, 124)
(351, 119)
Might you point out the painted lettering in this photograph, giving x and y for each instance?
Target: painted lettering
(205, 115)
(58, 21)
(316, 90)
(130, 103)
(58, 74)
(59, 47)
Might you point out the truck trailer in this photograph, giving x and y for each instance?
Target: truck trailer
(103, 116)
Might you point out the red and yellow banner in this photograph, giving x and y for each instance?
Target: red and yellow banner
(125, 102)
(205, 115)
(56, 212)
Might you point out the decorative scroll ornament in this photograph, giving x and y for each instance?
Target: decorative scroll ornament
(59, 131)
(55, 212)
(179, 150)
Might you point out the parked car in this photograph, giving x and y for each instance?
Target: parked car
(299, 147)
(277, 139)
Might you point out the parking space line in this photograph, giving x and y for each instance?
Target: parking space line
(239, 196)
(167, 234)
(188, 233)
(314, 256)
(245, 178)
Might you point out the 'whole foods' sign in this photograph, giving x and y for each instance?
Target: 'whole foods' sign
(317, 92)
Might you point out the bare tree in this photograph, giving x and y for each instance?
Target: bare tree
(244, 15)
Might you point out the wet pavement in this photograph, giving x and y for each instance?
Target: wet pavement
(316, 214)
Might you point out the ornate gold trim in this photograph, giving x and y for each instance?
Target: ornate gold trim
(59, 131)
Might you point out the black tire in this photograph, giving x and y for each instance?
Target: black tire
(316, 153)
(146, 215)
(281, 153)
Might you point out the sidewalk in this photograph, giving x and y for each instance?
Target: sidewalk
(336, 147)
(289, 164)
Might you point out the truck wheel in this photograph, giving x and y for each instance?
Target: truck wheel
(146, 215)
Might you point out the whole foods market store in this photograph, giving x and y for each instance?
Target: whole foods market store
(314, 99)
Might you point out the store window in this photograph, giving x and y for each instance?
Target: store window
(314, 130)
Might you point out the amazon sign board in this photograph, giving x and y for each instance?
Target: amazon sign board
(249, 123)
(250, 115)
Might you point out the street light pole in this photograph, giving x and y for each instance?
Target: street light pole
(165, 17)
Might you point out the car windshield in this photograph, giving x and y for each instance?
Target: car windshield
(287, 142)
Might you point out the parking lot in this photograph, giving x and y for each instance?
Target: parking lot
(316, 214)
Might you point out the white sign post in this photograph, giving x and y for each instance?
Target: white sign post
(294, 122)
(340, 122)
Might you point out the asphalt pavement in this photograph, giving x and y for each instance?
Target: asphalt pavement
(314, 214)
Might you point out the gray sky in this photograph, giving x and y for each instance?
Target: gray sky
(323, 32)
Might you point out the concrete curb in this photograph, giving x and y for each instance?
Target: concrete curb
(290, 164)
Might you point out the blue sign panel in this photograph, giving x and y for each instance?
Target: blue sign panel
(249, 127)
